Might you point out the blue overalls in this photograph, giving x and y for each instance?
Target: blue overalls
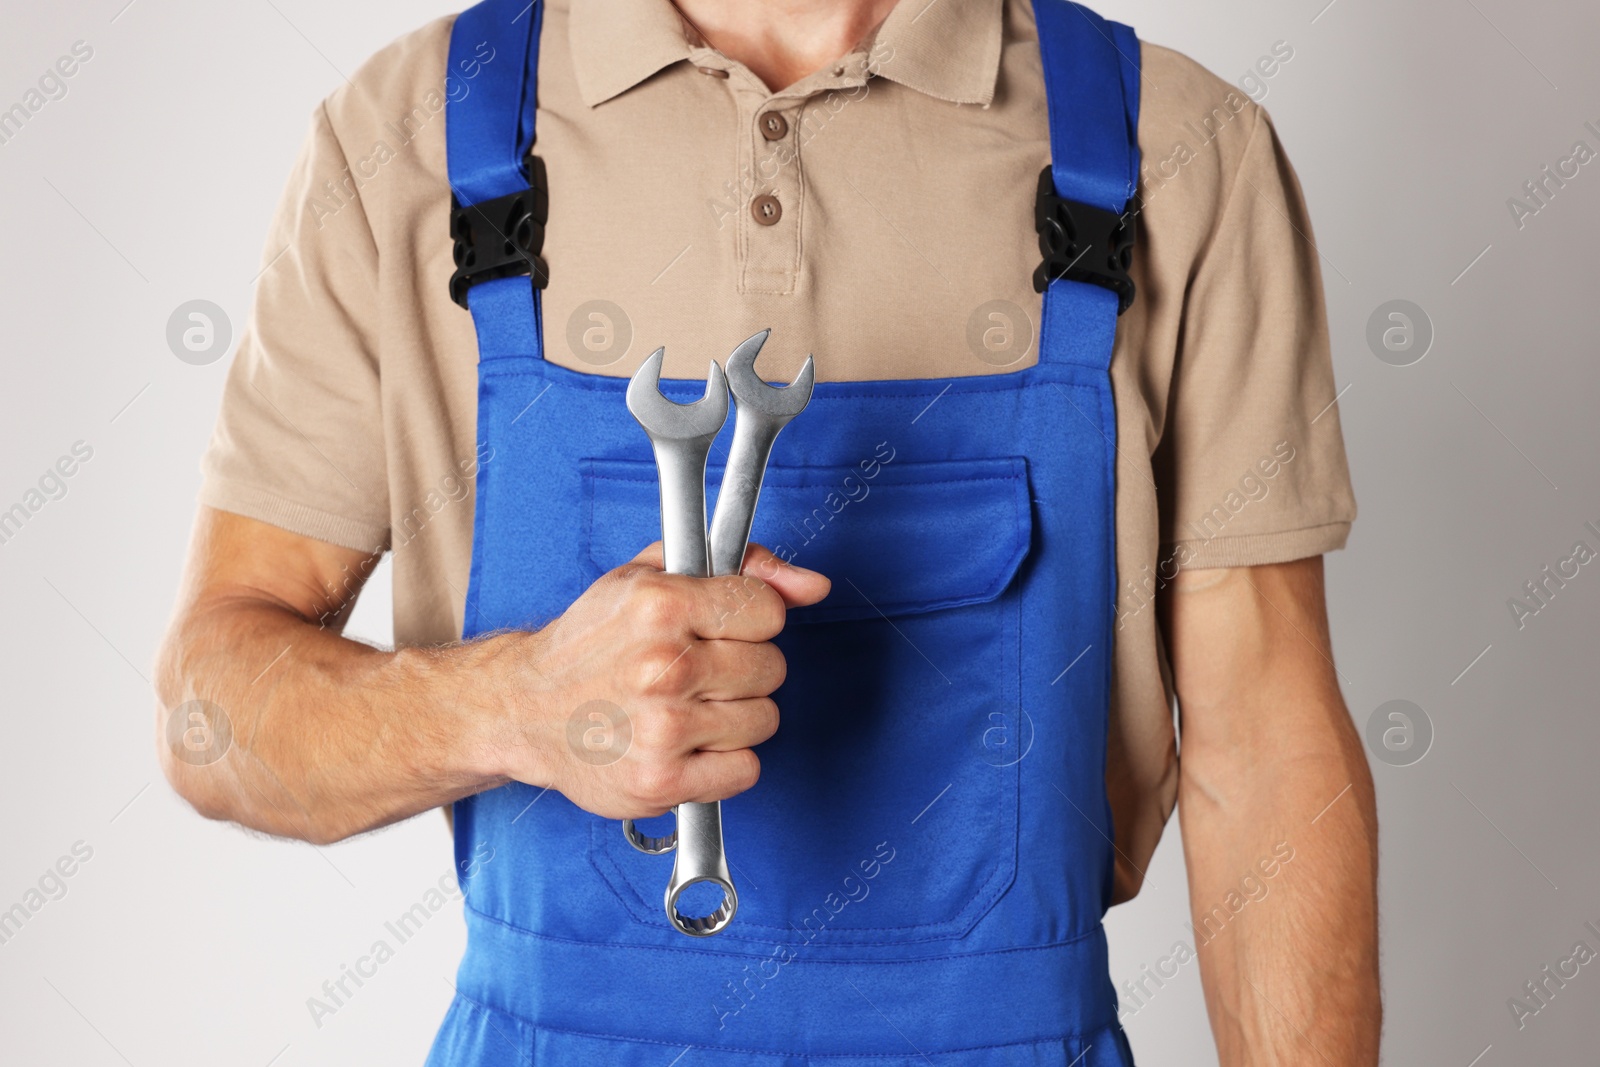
(925, 862)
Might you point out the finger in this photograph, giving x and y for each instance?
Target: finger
(737, 670)
(729, 725)
(798, 586)
(739, 607)
(713, 776)
(742, 607)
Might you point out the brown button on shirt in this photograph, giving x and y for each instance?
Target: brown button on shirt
(904, 248)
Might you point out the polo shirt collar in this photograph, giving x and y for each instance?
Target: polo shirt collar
(616, 44)
(946, 49)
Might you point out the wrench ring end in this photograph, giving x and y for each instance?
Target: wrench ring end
(704, 925)
(650, 846)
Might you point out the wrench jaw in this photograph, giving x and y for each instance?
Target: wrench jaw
(665, 419)
(764, 410)
(779, 402)
(681, 437)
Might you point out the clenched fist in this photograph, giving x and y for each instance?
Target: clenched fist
(672, 676)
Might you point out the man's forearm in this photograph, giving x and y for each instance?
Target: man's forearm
(1279, 821)
(329, 737)
(1282, 869)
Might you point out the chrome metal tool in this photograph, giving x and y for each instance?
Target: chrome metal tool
(681, 437)
(764, 410)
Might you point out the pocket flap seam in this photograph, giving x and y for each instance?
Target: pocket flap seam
(959, 529)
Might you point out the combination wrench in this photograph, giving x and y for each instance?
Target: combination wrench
(681, 436)
(764, 410)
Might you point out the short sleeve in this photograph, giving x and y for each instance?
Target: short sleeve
(1251, 466)
(299, 440)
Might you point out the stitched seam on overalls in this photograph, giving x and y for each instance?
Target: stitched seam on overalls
(1043, 379)
(1082, 1036)
(1022, 521)
(524, 931)
(1078, 1035)
(982, 899)
(525, 1027)
(928, 481)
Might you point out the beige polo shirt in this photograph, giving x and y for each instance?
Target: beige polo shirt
(898, 243)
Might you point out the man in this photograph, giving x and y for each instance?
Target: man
(994, 549)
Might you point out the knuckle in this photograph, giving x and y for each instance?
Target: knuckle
(659, 605)
(665, 668)
(626, 580)
(663, 731)
(648, 667)
(778, 667)
(771, 610)
(747, 770)
(656, 785)
(767, 716)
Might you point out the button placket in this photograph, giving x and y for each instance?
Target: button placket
(770, 235)
(764, 197)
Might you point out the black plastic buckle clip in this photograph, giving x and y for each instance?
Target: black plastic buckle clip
(1083, 243)
(501, 238)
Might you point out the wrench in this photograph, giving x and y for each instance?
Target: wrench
(681, 436)
(764, 410)
(682, 442)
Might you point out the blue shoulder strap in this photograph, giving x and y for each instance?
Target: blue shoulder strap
(1091, 75)
(488, 135)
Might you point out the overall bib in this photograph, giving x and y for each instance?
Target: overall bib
(925, 862)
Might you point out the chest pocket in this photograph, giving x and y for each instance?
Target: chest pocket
(882, 815)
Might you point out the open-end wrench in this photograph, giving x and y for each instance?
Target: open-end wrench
(763, 411)
(681, 436)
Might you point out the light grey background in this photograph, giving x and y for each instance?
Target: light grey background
(1410, 124)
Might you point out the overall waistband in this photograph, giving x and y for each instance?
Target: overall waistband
(784, 1003)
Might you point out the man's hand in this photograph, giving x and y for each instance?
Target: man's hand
(690, 663)
(1279, 822)
(330, 737)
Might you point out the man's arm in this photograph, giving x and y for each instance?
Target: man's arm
(331, 737)
(1279, 823)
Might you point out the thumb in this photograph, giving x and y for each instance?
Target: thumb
(797, 585)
